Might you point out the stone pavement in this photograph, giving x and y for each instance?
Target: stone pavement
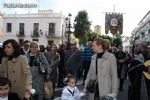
(124, 94)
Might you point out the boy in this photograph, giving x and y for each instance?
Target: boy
(5, 85)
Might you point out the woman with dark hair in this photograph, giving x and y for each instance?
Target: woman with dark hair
(16, 47)
(15, 67)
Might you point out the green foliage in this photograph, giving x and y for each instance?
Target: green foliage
(83, 39)
(117, 41)
(82, 26)
(92, 35)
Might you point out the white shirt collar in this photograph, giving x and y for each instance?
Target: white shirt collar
(70, 88)
(26, 51)
(4, 98)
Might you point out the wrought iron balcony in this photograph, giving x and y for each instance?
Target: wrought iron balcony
(35, 34)
(49, 35)
(20, 34)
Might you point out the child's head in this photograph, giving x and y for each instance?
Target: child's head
(4, 86)
(71, 80)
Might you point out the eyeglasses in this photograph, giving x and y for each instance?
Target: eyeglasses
(26, 45)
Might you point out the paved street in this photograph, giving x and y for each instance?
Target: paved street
(121, 96)
(124, 95)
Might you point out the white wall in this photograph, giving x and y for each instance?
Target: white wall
(28, 27)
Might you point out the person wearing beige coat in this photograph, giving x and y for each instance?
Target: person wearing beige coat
(106, 70)
(15, 67)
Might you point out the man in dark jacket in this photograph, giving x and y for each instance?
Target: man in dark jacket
(61, 67)
(73, 59)
(25, 48)
(121, 58)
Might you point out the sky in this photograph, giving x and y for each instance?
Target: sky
(133, 10)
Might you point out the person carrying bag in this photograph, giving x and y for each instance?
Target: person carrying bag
(103, 69)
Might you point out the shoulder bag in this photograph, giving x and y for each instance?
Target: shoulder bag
(91, 87)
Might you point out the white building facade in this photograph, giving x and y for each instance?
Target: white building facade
(45, 27)
(143, 30)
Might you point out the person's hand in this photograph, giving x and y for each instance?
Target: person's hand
(27, 95)
(84, 89)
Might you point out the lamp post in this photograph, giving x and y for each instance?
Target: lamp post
(68, 27)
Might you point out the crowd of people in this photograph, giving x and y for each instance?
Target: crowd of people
(34, 66)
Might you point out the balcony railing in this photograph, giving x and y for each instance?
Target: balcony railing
(49, 35)
(20, 34)
(35, 34)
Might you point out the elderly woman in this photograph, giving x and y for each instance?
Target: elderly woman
(53, 58)
(15, 67)
(103, 70)
(38, 66)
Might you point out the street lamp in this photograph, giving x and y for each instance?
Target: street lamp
(68, 29)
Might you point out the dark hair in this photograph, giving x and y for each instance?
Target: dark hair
(68, 77)
(42, 48)
(15, 46)
(90, 40)
(62, 45)
(48, 47)
(26, 41)
(4, 81)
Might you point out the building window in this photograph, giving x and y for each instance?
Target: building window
(21, 28)
(36, 29)
(149, 31)
(9, 27)
(50, 42)
(51, 29)
(35, 40)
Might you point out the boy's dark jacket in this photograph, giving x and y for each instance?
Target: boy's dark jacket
(13, 96)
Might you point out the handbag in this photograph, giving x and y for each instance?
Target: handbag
(91, 87)
(48, 87)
